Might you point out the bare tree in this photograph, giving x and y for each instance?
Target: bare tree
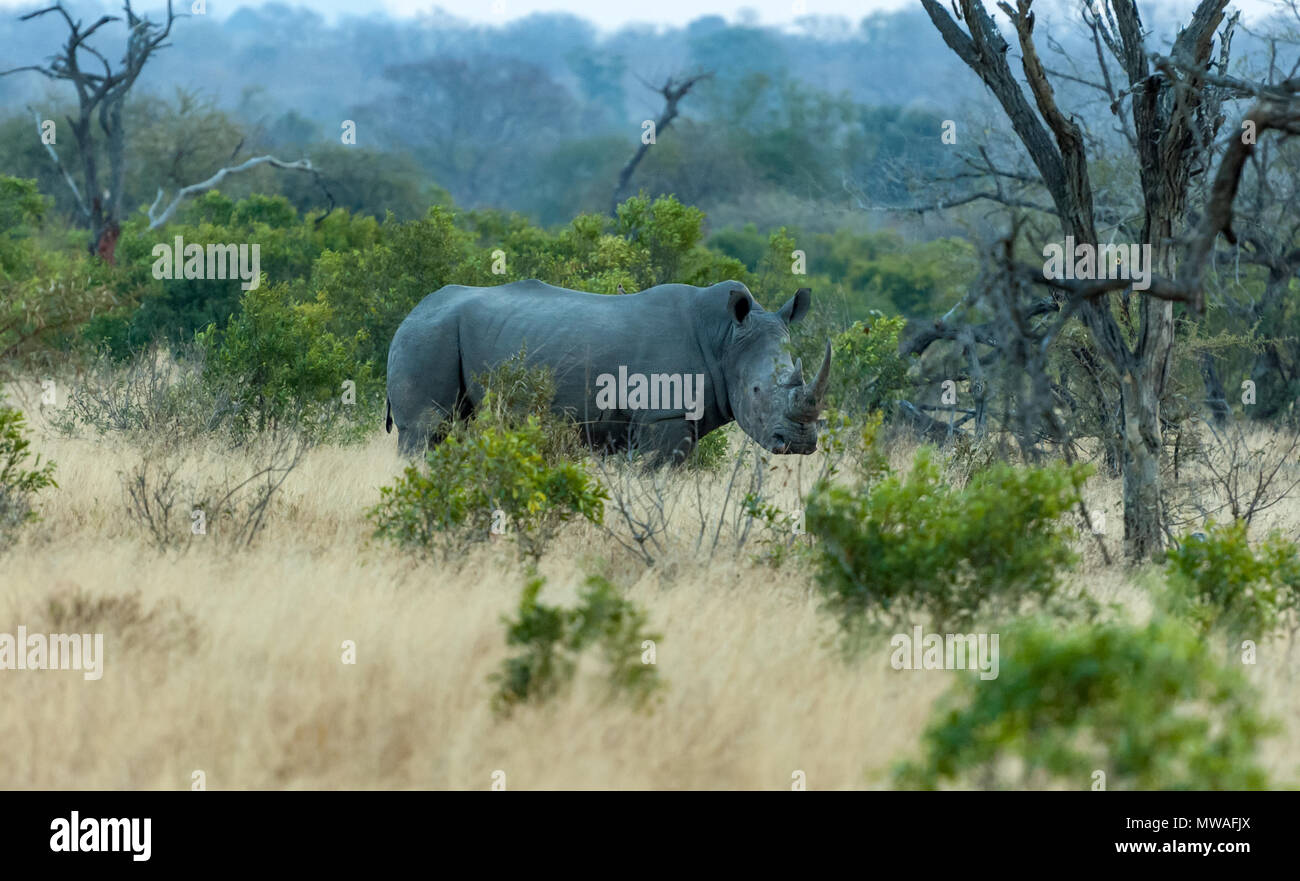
(1173, 107)
(102, 90)
(673, 90)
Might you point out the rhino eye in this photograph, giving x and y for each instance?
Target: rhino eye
(755, 389)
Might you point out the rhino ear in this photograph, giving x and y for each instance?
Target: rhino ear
(796, 307)
(739, 304)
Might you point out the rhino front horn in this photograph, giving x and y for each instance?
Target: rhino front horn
(823, 381)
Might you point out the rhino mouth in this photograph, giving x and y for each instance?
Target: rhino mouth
(800, 443)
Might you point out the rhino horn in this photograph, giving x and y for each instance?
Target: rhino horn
(795, 379)
(806, 403)
(823, 381)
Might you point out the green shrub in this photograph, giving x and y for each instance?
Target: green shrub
(775, 531)
(870, 374)
(514, 392)
(50, 289)
(1220, 582)
(174, 309)
(17, 483)
(369, 291)
(898, 546)
(710, 453)
(649, 243)
(282, 364)
(665, 229)
(486, 479)
(1149, 707)
(554, 638)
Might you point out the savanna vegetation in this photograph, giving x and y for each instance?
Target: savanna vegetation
(1103, 477)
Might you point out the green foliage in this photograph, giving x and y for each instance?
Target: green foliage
(505, 472)
(280, 362)
(1150, 707)
(484, 478)
(870, 374)
(553, 640)
(173, 309)
(370, 290)
(776, 532)
(920, 280)
(774, 279)
(899, 546)
(18, 483)
(651, 242)
(49, 288)
(1221, 582)
(664, 228)
(871, 272)
(711, 452)
(21, 204)
(515, 392)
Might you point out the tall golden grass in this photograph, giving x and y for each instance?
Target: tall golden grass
(230, 662)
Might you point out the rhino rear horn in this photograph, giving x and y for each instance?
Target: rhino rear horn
(806, 402)
(795, 379)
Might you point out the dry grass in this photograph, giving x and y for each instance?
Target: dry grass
(230, 663)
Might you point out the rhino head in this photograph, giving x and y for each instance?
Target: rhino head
(767, 392)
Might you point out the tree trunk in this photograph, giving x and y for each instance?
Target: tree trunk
(1269, 373)
(1142, 510)
(1216, 398)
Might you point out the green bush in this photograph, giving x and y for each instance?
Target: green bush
(554, 638)
(17, 483)
(370, 290)
(280, 362)
(514, 392)
(870, 374)
(1149, 707)
(49, 287)
(1220, 582)
(711, 452)
(649, 243)
(873, 271)
(172, 310)
(486, 479)
(898, 546)
(664, 229)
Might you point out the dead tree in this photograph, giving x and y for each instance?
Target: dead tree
(1175, 112)
(673, 90)
(1268, 238)
(102, 90)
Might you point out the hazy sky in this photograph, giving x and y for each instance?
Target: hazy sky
(607, 14)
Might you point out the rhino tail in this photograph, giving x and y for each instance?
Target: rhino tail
(388, 417)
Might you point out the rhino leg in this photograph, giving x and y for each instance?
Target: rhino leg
(669, 442)
(413, 439)
(422, 409)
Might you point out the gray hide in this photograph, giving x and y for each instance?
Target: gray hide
(677, 337)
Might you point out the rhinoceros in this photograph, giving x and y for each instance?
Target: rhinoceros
(652, 371)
